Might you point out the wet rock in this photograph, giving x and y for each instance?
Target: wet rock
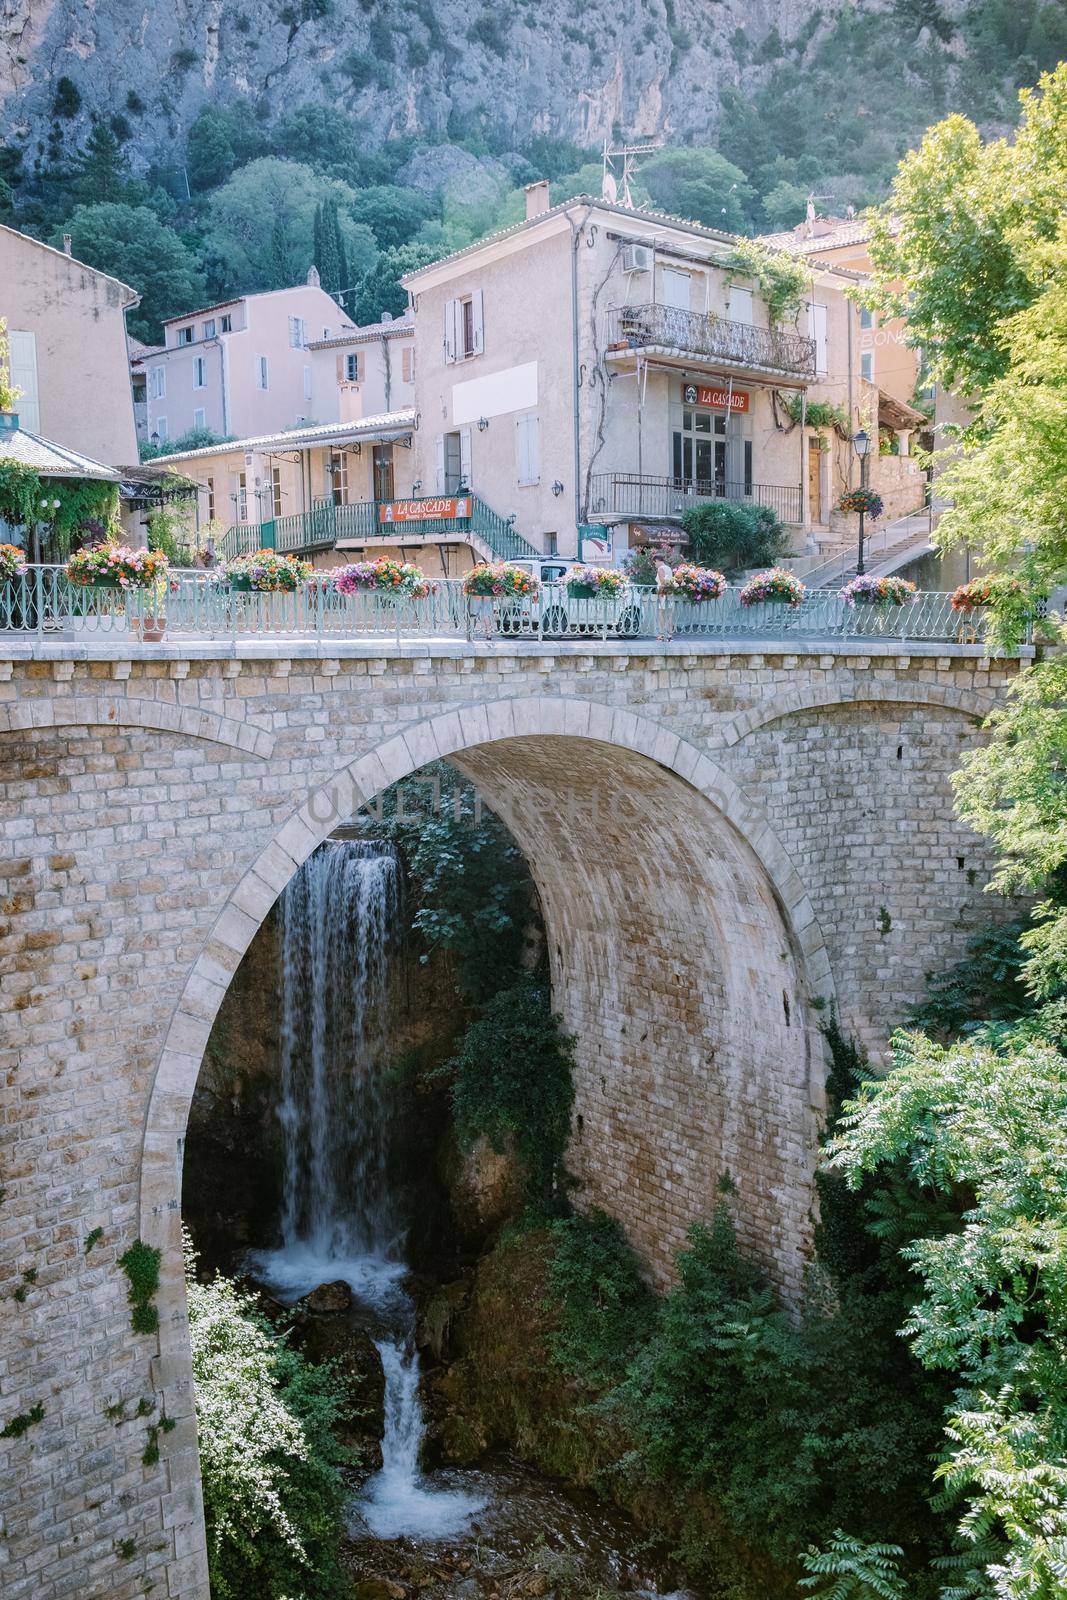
(378, 1589)
(336, 1296)
(437, 1316)
(341, 1339)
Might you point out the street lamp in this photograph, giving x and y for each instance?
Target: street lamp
(861, 443)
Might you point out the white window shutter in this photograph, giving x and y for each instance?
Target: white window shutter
(465, 455)
(527, 445)
(451, 329)
(478, 321)
(440, 464)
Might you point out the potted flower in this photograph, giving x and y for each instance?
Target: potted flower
(495, 580)
(1016, 605)
(12, 562)
(884, 592)
(864, 500)
(116, 566)
(266, 572)
(401, 579)
(981, 592)
(696, 583)
(777, 586)
(595, 583)
(354, 578)
(491, 581)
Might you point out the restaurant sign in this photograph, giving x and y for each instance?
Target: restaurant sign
(446, 508)
(699, 394)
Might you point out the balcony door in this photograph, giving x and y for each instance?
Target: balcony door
(699, 450)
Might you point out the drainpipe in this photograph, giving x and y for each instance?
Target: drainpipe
(222, 375)
(851, 415)
(576, 234)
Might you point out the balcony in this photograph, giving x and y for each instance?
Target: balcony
(711, 339)
(325, 524)
(630, 494)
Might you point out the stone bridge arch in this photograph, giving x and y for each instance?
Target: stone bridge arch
(673, 913)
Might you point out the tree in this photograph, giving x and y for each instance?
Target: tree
(700, 184)
(784, 205)
(320, 136)
(261, 222)
(957, 247)
(131, 243)
(989, 1126)
(394, 215)
(331, 258)
(100, 168)
(381, 289)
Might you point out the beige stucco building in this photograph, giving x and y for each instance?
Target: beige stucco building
(364, 371)
(67, 337)
(594, 370)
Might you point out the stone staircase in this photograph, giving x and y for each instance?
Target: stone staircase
(885, 550)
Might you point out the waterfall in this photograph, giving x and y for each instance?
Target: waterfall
(340, 925)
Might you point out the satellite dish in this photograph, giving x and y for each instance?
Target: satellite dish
(609, 189)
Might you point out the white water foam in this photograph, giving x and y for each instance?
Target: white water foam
(340, 918)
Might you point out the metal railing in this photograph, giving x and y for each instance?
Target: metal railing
(694, 333)
(632, 494)
(42, 601)
(326, 523)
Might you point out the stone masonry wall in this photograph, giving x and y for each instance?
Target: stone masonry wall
(152, 807)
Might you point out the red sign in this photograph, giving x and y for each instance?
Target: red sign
(444, 509)
(696, 394)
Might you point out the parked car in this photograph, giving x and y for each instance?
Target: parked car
(553, 613)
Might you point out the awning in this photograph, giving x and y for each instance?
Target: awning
(51, 460)
(899, 416)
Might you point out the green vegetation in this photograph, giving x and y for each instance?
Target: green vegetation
(133, 244)
(29, 1278)
(699, 184)
(472, 886)
(511, 1085)
(783, 280)
(274, 1491)
(16, 1426)
(728, 535)
(140, 1263)
(93, 1237)
(991, 315)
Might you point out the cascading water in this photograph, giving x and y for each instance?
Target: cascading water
(340, 929)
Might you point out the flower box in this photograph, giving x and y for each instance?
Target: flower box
(266, 572)
(884, 592)
(116, 566)
(595, 583)
(696, 584)
(864, 500)
(12, 562)
(499, 580)
(401, 580)
(777, 586)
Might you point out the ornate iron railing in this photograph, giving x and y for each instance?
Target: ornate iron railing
(632, 494)
(736, 344)
(198, 605)
(326, 523)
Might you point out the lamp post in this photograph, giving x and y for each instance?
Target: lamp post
(861, 443)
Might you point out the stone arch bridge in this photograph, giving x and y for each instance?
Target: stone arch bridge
(721, 834)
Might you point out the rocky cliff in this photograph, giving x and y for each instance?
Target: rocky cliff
(430, 68)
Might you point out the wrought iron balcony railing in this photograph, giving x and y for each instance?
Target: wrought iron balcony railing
(632, 494)
(693, 333)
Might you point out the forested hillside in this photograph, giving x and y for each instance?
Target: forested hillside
(199, 148)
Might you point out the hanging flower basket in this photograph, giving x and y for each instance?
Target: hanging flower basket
(12, 562)
(499, 579)
(864, 500)
(777, 586)
(115, 566)
(595, 583)
(696, 583)
(266, 572)
(867, 591)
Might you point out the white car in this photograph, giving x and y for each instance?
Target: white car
(553, 613)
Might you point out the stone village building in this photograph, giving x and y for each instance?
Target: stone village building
(570, 384)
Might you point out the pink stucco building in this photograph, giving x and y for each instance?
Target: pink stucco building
(239, 367)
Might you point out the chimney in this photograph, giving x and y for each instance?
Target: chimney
(536, 198)
(313, 279)
(66, 244)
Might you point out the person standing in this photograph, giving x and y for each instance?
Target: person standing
(664, 580)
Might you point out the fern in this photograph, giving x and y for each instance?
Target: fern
(850, 1569)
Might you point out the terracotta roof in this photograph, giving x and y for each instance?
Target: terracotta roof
(139, 351)
(797, 241)
(657, 219)
(133, 298)
(51, 460)
(301, 438)
(371, 330)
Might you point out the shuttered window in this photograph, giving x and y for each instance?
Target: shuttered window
(527, 448)
(407, 364)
